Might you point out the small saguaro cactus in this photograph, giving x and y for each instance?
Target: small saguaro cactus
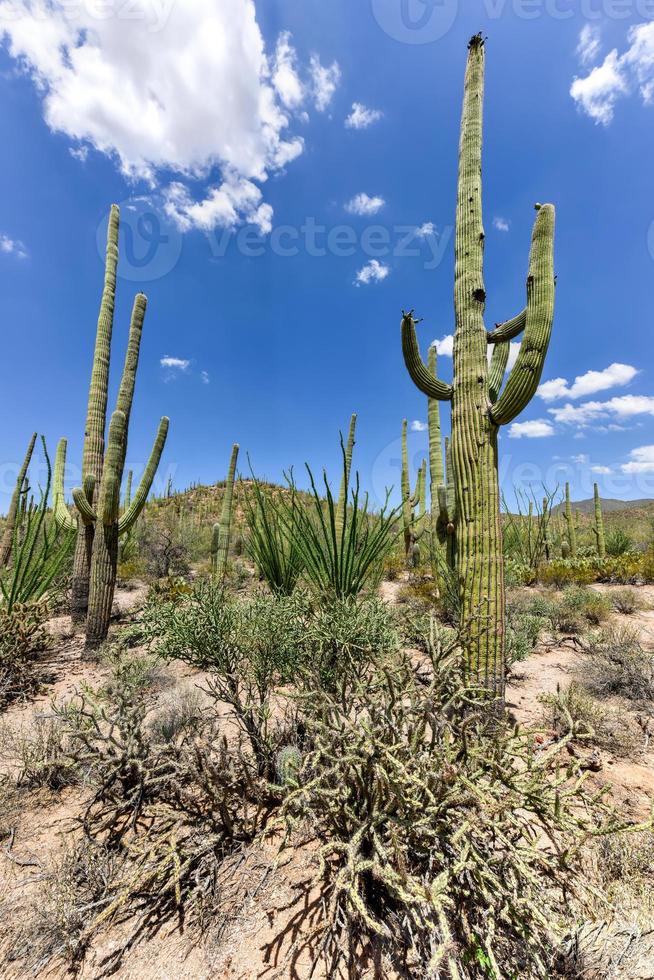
(18, 494)
(479, 405)
(97, 501)
(410, 501)
(570, 524)
(223, 529)
(598, 530)
(345, 481)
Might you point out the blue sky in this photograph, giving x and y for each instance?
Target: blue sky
(287, 177)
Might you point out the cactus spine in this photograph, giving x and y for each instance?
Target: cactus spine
(222, 530)
(20, 493)
(598, 530)
(479, 406)
(97, 501)
(345, 482)
(570, 522)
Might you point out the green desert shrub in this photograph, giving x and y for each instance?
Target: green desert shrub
(593, 723)
(430, 827)
(618, 542)
(522, 632)
(617, 663)
(562, 572)
(626, 601)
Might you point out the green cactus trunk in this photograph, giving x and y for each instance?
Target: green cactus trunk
(407, 509)
(14, 506)
(479, 406)
(599, 523)
(570, 523)
(225, 524)
(345, 482)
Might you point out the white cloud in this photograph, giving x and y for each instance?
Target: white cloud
(537, 429)
(618, 75)
(582, 459)
(12, 246)
(621, 407)
(601, 470)
(236, 200)
(641, 460)
(588, 383)
(418, 426)
(426, 230)
(361, 117)
(324, 82)
(501, 224)
(79, 153)
(445, 346)
(589, 44)
(191, 94)
(204, 377)
(374, 271)
(174, 363)
(364, 205)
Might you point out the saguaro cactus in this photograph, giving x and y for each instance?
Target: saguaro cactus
(570, 524)
(19, 490)
(223, 530)
(410, 501)
(479, 406)
(97, 501)
(598, 530)
(345, 482)
(442, 520)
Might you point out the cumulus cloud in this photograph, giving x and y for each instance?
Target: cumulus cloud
(641, 460)
(601, 470)
(174, 363)
(445, 346)
(536, 429)
(589, 44)
(204, 377)
(12, 246)
(418, 426)
(621, 408)
(501, 224)
(190, 93)
(619, 75)
(361, 116)
(374, 271)
(234, 201)
(364, 205)
(588, 383)
(426, 230)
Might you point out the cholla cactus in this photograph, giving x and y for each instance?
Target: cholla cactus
(479, 405)
(570, 524)
(222, 531)
(598, 530)
(18, 494)
(99, 522)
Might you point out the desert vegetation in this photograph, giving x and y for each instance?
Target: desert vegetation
(274, 730)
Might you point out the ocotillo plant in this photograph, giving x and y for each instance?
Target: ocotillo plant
(479, 406)
(98, 499)
(19, 492)
(345, 481)
(598, 530)
(222, 531)
(570, 523)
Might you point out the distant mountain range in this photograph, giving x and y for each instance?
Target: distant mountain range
(608, 505)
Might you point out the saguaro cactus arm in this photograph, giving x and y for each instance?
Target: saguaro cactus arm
(497, 369)
(509, 329)
(63, 518)
(525, 376)
(85, 510)
(131, 514)
(128, 380)
(8, 535)
(418, 370)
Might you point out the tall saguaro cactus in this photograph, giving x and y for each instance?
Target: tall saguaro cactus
(223, 529)
(598, 530)
(12, 513)
(99, 522)
(479, 405)
(570, 524)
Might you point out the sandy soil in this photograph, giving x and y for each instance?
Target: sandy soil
(276, 901)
